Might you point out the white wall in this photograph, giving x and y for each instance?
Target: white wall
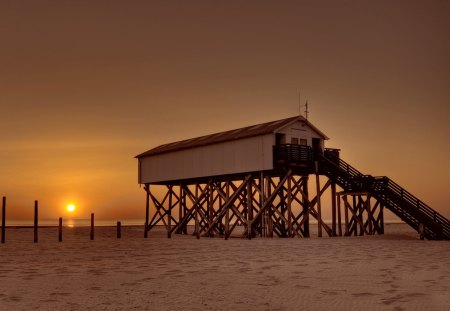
(301, 131)
(239, 156)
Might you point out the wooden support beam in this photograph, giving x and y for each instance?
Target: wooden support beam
(261, 203)
(230, 201)
(381, 218)
(333, 208)
(354, 211)
(305, 206)
(169, 213)
(196, 207)
(319, 207)
(249, 210)
(227, 211)
(268, 213)
(210, 208)
(289, 207)
(339, 214)
(147, 210)
(274, 194)
(347, 231)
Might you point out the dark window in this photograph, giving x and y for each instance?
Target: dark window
(280, 139)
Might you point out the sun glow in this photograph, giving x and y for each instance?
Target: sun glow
(71, 208)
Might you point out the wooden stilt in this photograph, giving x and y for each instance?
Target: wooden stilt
(289, 207)
(227, 212)
(210, 207)
(196, 206)
(347, 233)
(355, 212)
(180, 210)
(305, 207)
(269, 211)
(333, 208)
(261, 203)
(339, 215)
(249, 210)
(169, 214)
(369, 215)
(319, 207)
(147, 210)
(36, 221)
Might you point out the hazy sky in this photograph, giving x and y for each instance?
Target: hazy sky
(87, 85)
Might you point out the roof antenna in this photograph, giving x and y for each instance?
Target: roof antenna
(306, 110)
(299, 103)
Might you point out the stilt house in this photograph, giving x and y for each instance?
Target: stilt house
(246, 150)
(256, 177)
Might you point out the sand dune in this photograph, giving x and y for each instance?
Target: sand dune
(391, 272)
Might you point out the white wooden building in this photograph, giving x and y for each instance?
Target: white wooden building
(244, 150)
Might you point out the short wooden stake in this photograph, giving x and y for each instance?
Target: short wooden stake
(35, 221)
(92, 226)
(119, 227)
(3, 219)
(60, 230)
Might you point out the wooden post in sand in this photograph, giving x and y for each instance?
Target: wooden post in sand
(333, 208)
(147, 205)
(35, 221)
(319, 206)
(3, 219)
(92, 226)
(119, 227)
(338, 198)
(60, 230)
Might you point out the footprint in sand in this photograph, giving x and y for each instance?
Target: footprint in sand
(13, 298)
(60, 294)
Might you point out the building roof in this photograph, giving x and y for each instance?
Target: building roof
(245, 132)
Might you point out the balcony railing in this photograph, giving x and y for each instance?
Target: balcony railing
(292, 154)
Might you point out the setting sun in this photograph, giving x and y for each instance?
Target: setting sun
(70, 208)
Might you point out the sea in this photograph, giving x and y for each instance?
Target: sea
(74, 222)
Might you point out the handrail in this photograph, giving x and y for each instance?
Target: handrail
(383, 185)
(292, 153)
(416, 203)
(350, 170)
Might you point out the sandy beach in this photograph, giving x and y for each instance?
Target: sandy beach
(396, 271)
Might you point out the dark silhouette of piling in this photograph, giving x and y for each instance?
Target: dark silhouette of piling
(35, 221)
(119, 228)
(92, 226)
(3, 219)
(60, 230)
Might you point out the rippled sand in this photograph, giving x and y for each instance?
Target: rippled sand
(391, 272)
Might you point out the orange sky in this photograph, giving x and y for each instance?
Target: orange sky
(87, 85)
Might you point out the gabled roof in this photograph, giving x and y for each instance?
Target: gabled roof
(245, 132)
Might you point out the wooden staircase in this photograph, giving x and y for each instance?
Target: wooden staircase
(402, 203)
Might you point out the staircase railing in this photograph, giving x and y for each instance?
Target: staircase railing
(408, 207)
(415, 203)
